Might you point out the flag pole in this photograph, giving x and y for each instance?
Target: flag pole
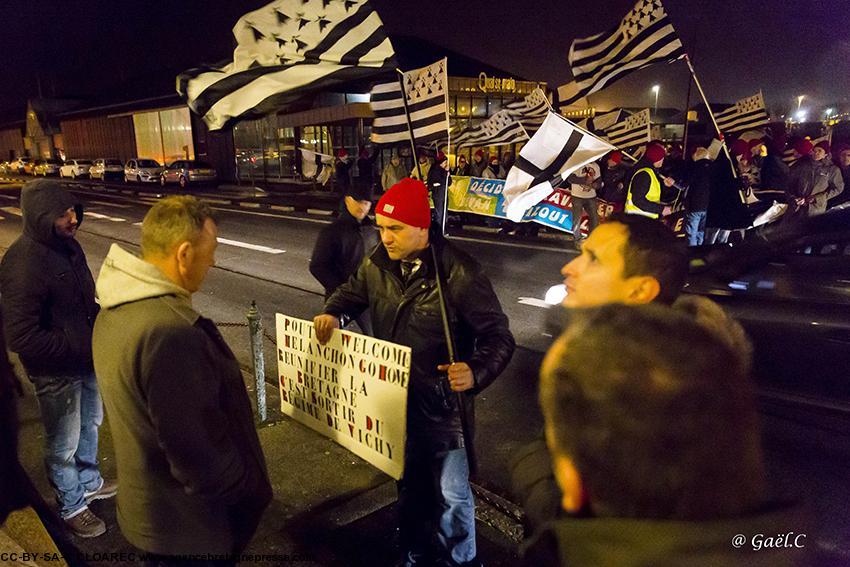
(711, 115)
(444, 308)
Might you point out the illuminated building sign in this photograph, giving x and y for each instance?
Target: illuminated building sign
(496, 84)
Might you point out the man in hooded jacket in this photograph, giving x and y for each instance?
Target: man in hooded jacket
(48, 313)
(188, 455)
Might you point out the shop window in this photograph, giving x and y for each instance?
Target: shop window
(164, 136)
(464, 106)
(452, 105)
(479, 107)
(494, 105)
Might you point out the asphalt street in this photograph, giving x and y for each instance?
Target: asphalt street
(264, 255)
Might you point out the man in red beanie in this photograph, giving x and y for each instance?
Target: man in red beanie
(614, 181)
(813, 180)
(644, 195)
(397, 284)
(342, 171)
(479, 164)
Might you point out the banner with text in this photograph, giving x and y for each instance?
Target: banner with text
(484, 197)
(352, 390)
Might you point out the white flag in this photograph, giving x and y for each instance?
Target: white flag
(553, 153)
(316, 166)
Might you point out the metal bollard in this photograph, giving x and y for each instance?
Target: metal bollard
(255, 328)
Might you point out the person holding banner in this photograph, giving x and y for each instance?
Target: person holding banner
(399, 284)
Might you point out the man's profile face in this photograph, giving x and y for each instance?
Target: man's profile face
(402, 241)
(818, 154)
(595, 277)
(202, 257)
(844, 158)
(66, 225)
(357, 208)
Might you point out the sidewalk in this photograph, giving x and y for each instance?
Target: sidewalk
(330, 508)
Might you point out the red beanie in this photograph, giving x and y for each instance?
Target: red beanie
(407, 202)
(824, 145)
(803, 147)
(342, 153)
(655, 152)
(441, 157)
(616, 157)
(740, 147)
(479, 153)
(755, 142)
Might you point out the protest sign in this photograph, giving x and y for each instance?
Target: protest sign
(352, 390)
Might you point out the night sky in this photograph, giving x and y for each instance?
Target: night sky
(87, 47)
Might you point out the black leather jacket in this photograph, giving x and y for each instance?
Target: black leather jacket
(410, 315)
(340, 248)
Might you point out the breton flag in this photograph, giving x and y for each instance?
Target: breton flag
(530, 111)
(556, 150)
(746, 114)
(500, 129)
(601, 122)
(644, 37)
(316, 166)
(427, 91)
(284, 50)
(632, 131)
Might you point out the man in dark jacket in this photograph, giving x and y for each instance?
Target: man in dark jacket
(438, 183)
(812, 182)
(343, 244)
(658, 464)
(397, 283)
(49, 311)
(699, 190)
(614, 181)
(189, 459)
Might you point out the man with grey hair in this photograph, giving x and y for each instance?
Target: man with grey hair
(186, 447)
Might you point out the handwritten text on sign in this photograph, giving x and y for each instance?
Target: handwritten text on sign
(352, 390)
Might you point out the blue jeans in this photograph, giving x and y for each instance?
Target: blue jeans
(435, 493)
(72, 411)
(695, 227)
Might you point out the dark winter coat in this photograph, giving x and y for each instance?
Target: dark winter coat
(343, 174)
(340, 248)
(844, 196)
(699, 185)
(193, 477)
(814, 181)
(13, 483)
(410, 315)
(726, 210)
(614, 183)
(464, 170)
(477, 169)
(638, 542)
(46, 288)
(774, 173)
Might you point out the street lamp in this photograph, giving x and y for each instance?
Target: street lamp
(655, 89)
(800, 100)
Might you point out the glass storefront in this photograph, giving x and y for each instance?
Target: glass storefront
(264, 152)
(164, 135)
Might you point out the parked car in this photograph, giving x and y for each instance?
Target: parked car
(103, 168)
(29, 166)
(186, 171)
(47, 167)
(142, 170)
(75, 168)
(18, 165)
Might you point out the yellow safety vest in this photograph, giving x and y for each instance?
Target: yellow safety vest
(653, 195)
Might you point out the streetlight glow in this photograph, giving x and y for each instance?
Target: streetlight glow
(655, 89)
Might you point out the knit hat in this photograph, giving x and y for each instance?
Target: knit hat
(441, 157)
(803, 147)
(824, 145)
(655, 152)
(616, 157)
(755, 142)
(342, 153)
(479, 153)
(407, 202)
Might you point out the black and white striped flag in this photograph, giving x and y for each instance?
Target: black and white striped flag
(498, 130)
(601, 122)
(644, 37)
(285, 50)
(555, 151)
(745, 114)
(630, 132)
(316, 166)
(531, 111)
(427, 91)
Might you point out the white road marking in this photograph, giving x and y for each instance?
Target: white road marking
(8, 197)
(104, 217)
(250, 205)
(320, 212)
(108, 204)
(137, 223)
(533, 301)
(13, 210)
(257, 247)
